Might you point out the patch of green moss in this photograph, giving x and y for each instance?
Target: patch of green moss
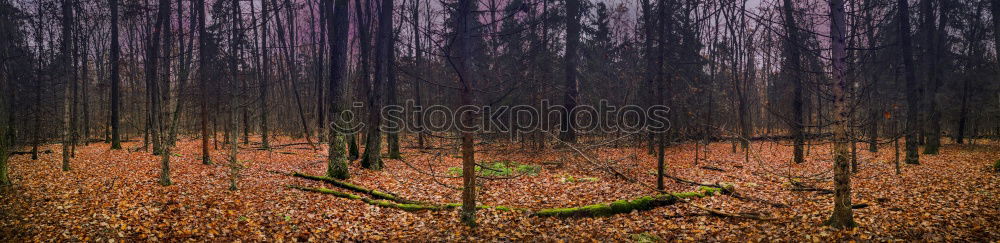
(558, 212)
(996, 166)
(500, 169)
(502, 208)
(646, 238)
(709, 190)
(528, 169)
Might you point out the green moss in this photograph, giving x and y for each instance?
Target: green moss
(645, 238)
(502, 208)
(626, 206)
(620, 205)
(500, 169)
(528, 169)
(709, 190)
(996, 166)
(557, 212)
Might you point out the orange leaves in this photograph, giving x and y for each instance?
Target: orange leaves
(114, 195)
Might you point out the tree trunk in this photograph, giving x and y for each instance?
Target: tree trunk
(793, 69)
(572, 93)
(339, 24)
(418, 60)
(936, 43)
(913, 127)
(233, 100)
(392, 137)
(842, 216)
(203, 81)
(372, 158)
(116, 142)
(265, 74)
(66, 61)
(464, 67)
(152, 84)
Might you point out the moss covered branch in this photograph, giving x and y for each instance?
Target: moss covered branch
(626, 206)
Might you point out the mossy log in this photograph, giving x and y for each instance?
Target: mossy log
(374, 193)
(626, 206)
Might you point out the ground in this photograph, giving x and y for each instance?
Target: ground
(115, 195)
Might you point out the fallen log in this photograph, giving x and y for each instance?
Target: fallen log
(409, 207)
(713, 168)
(47, 151)
(356, 188)
(720, 213)
(626, 206)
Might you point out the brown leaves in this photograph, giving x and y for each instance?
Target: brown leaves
(114, 195)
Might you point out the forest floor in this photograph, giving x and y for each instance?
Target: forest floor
(115, 195)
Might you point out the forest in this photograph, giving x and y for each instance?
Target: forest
(499, 120)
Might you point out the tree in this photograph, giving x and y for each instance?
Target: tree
(116, 142)
(418, 60)
(372, 158)
(461, 55)
(66, 62)
(10, 38)
(265, 74)
(233, 98)
(842, 216)
(203, 80)
(339, 24)
(792, 69)
(153, 88)
(936, 43)
(912, 89)
(572, 90)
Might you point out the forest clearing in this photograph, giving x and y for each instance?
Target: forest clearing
(949, 196)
